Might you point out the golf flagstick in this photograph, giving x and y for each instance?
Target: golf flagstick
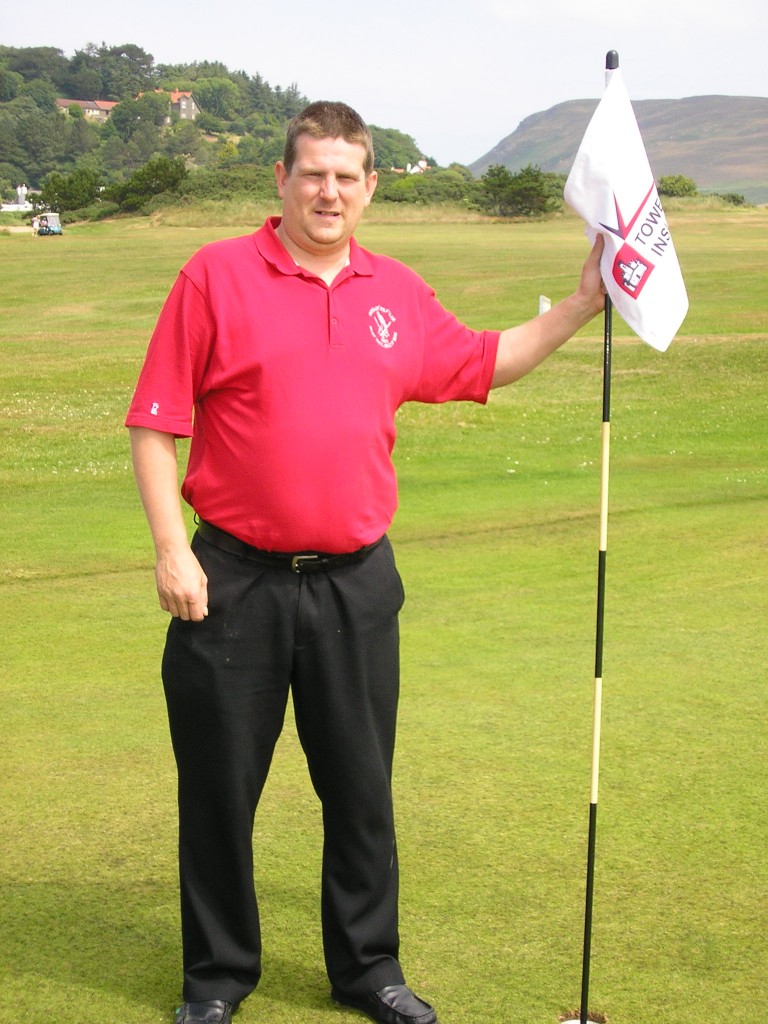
(612, 187)
(598, 689)
(611, 62)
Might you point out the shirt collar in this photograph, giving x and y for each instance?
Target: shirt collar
(274, 252)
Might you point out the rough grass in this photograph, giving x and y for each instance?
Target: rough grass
(497, 541)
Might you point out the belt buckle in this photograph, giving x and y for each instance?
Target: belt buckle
(298, 561)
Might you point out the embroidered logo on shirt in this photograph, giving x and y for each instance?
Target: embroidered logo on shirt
(155, 408)
(381, 326)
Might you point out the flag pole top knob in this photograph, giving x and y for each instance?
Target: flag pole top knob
(611, 60)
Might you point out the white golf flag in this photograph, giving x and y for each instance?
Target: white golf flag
(612, 187)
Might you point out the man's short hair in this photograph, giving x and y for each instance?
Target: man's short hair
(328, 120)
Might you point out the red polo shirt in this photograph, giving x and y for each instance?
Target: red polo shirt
(289, 387)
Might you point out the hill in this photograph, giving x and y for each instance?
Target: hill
(719, 141)
(236, 118)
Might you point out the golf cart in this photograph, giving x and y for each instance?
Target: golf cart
(50, 224)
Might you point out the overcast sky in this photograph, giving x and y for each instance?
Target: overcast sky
(458, 75)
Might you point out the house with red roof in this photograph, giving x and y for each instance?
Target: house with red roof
(184, 104)
(94, 110)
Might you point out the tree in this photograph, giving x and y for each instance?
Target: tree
(462, 170)
(446, 186)
(529, 192)
(226, 153)
(157, 176)
(37, 140)
(216, 96)
(264, 141)
(10, 176)
(183, 139)
(677, 185)
(40, 139)
(113, 153)
(154, 108)
(12, 150)
(128, 70)
(81, 137)
(201, 69)
(393, 148)
(43, 93)
(151, 108)
(248, 180)
(288, 102)
(496, 184)
(84, 75)
(72, 191)
(145, 142)
(84, 84)
(110, 72)
(10, 84)
(45, 62)
(123, 119)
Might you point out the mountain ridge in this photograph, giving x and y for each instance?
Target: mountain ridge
(721, 142)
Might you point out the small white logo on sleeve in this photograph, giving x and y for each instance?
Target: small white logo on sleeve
(155, 408)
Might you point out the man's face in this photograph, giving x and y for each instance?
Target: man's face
(325, 194)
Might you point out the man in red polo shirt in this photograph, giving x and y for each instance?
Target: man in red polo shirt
(285, 355)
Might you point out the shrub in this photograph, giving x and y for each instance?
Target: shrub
(527, 193)
(252, 180)
(433, 187)
(70, 191)
(157, 176)
(95, 211)
(677, 185)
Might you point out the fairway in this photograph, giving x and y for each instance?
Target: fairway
(496, 539)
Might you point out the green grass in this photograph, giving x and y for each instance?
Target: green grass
(497, 541)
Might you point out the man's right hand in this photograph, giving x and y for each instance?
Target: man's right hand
(182, 586)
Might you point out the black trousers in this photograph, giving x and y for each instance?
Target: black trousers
(332, 638)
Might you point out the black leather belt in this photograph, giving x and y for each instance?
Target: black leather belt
(301, 561)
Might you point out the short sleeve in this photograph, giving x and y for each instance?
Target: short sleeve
(174, 367)
(458, 362)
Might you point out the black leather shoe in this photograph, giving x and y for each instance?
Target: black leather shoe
(395, 1004)
(215, 1011)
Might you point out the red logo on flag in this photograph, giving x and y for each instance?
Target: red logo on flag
(631, 271)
